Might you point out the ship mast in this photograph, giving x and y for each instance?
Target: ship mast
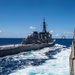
(44, 25)
(74, 34)
(63, 37)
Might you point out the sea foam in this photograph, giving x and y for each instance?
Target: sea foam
(57, 65)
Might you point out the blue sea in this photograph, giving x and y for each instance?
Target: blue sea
(47, 61)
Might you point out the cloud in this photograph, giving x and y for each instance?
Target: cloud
(32, 27)
(57, 34)
(51, 31)
(68, 33)
(0, 31)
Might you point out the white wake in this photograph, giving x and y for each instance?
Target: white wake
(57, 66)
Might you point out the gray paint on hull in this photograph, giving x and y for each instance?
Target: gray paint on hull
(23, 48)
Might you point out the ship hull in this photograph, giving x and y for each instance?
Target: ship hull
(23, 48)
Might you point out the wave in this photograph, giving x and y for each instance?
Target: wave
(47, 61)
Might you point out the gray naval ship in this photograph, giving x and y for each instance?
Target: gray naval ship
(35, 41)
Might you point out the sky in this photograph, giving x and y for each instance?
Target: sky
(19, 18)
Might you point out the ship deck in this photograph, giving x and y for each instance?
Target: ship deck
(2, 47)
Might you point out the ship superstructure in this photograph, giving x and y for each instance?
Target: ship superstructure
(39, 37)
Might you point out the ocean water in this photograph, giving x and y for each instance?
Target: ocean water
(5, 41)
(47, 61)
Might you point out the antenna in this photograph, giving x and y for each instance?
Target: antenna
(74, 34)
(44, 25)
